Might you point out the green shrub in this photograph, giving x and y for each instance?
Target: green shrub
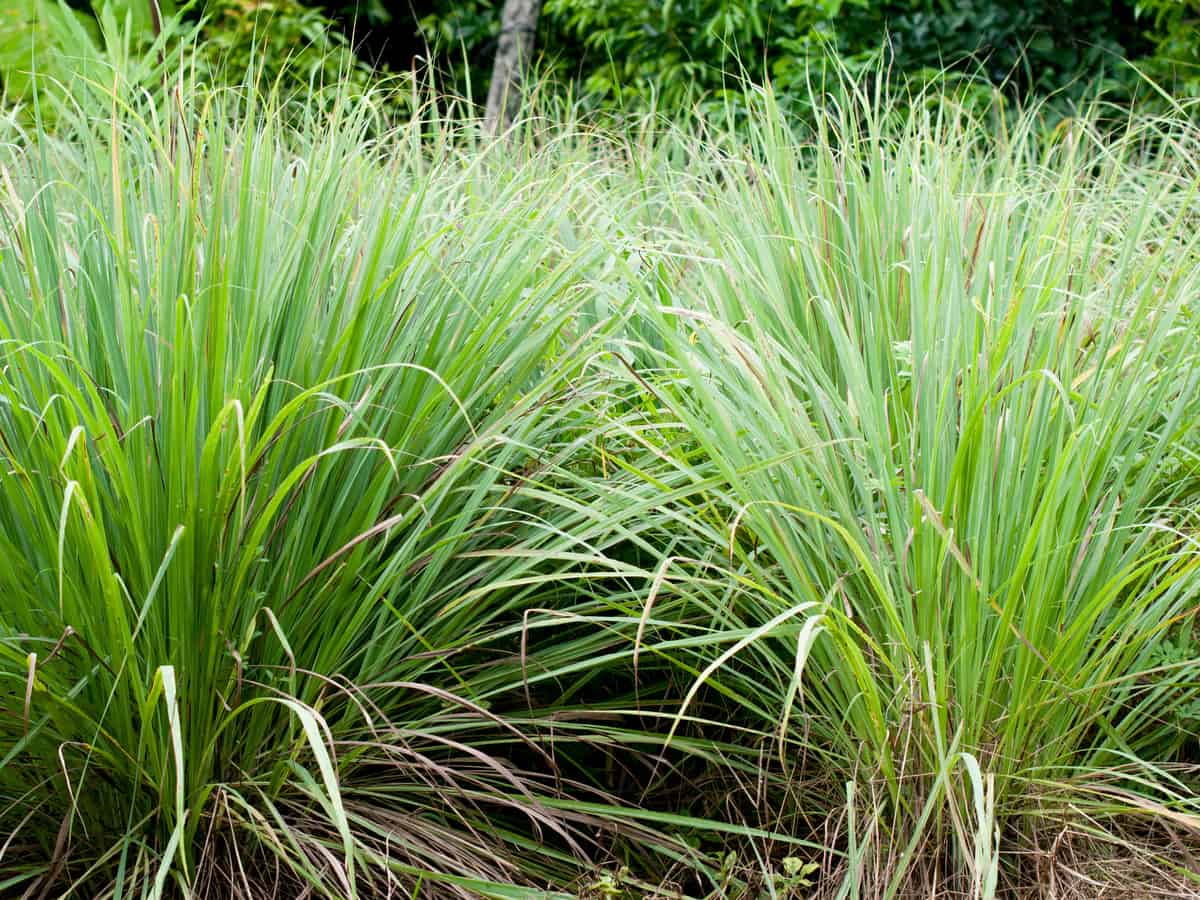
(281, 45)
(1175, 32)
(670, 54)
(1035, 48)
(74, 57)
(52, 54)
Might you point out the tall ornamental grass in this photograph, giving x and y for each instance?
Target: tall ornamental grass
(924, 400)
(799, 511)
(272, 406)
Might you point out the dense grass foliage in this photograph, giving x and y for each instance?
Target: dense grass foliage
(938, 396)
(386, 513)
(270, 410)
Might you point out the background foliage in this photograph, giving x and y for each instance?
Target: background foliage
(280, 44)
(627, 53)
(1174, 29)
(675, 50)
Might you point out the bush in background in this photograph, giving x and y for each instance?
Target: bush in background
(63, 54)
(1174, 29)
(280, 44)
(672, 52)
(60, 53)
(621, 54)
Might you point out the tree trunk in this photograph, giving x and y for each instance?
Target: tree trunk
(518, 28)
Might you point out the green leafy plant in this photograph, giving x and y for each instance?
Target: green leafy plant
(794, 880)
(280, 45)
(1033, 49)
(36, 39)
(674, 52)
(669, 55)
(65, 54)
(1175, 32)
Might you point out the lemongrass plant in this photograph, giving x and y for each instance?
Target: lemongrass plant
(935, 388)
(388, 512)
(276, 409)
